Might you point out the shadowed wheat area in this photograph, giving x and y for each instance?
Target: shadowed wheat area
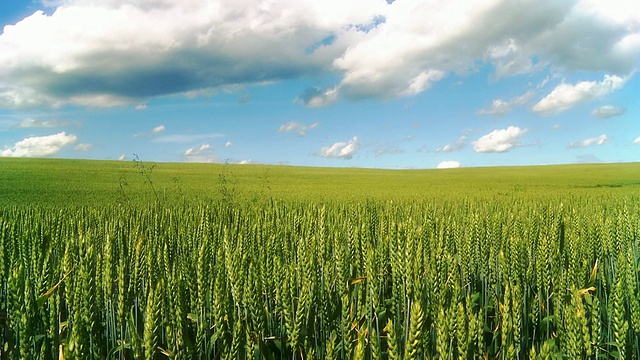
(133, 260)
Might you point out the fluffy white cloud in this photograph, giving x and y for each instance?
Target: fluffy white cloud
(342, 150)
(449, 164)
(600, 140)
(105, 53)
(566, 96)
(637, 141)
(116, 52)
(297, 127)
(39, 146)
(607, 111)
(499, 141)
(228, 144)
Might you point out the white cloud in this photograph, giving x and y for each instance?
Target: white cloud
(637, 141)
(450, 164)
(510, 58)
(458, 145)
(105, 53)
(294, 126)
(122, 157)
(501, 107)
(516, 37)
(228, 144)
(83, 147)
(158, 129)
(600, 140)
(566, 96)
(39, 146)
(201, 154)
(422, 82)
(499, 141)
(197, 151)
(608, 111)
(116, 52)
(316, 97)
(341, 150)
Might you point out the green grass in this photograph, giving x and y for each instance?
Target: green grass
(83, 182)
(125, 260)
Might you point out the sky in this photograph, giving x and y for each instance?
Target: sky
(359, 83)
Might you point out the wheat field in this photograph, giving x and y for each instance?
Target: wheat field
(523, 275)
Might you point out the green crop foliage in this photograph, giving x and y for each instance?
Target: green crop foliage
(294, 263)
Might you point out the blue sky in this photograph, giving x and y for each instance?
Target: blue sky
(363, 83)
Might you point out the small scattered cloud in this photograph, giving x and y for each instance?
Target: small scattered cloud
(155, 131)
(83, 147)
(297, 127)
(594, 141)
(449, 164)
(566, 96)
(186, 138)
(317, 97)
(457, 145)
(202, 154)
(341, 150)
(501, 107)
(608, 111)
(246, 162)
(637, 141)
(197, 151)
(499, 141)
(555, 127)
(33, 123)
(158, 129)
(228, 144)
(39, 146)
(140, 107)
(122, 157)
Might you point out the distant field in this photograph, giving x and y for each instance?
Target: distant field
(83, 182)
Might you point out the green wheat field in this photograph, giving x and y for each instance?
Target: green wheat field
(134, 260)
